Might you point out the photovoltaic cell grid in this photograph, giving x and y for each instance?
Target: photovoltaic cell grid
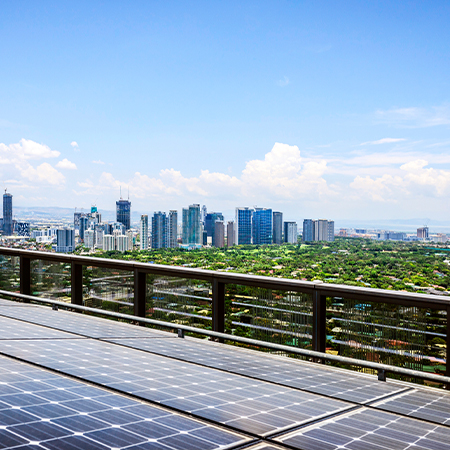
(42, 410)
(288, 372)
(367, 429)
(390, 432)
(245, 404)
(423, 404)
(81, 324)
(15, 329)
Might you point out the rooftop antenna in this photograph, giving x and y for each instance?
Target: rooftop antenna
(120, 192)
(128, 193)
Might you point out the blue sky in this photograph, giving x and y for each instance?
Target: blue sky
(334, 109)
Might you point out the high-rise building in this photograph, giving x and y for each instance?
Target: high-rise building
(191, 224)
(290, 232)
(23, 228)
(244, 226)
(219, 234)
(277, 227)
(83, 225)
(7, 214)
(422, 233)
(143, 231)
(121, 243)
(172, 229)
(262, 226)
(209, 222)
(330, 231)
(231, 234)
(321, 230)
(318, 230)
(159, 230)
(203, 214)
(65, 240)
(89, 238)
(123, 212)
(308, 230)
(108, 242)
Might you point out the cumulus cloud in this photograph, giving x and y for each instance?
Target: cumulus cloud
(18, 159)
(282, 174)
(98, 162)
(66, 164)
(413, 179)
(44, 173)
(26, 149)
(74, 145)
(384, 141)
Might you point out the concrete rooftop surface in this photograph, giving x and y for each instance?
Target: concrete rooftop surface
(72, 381)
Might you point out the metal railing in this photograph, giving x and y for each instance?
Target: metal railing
(318, 291)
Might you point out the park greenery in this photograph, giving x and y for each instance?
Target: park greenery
(408, 266)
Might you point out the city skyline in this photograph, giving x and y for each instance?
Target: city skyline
(317, 110)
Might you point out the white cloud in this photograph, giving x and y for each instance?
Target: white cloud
(384, 141)
(415, 117)
(282, 174)
(16, 159)
(283, 82)
(26, 149)
(44, 173)
(66, 164)
(74, 145)
(98, 162)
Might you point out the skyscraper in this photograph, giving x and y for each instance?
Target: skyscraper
(277, 227)
(290, 232)
(123, 212)
(244, 225)
(219, 234)
(318, 230)
(192, 227)
(143, 232)
(65, 240)
(422, 233)
(7, 214)
(262, 226)
(159, 230)
(209, 222)
(231, 234)
(172, 229)
(308, 230)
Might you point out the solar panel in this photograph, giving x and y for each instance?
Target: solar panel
(421, 403)
(15, 329)
(359, 388)
(81, 324)
(367, 429)
(245, 404)
(48, 411)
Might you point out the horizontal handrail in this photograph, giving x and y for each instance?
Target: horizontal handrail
(381, 368)
(330, 290)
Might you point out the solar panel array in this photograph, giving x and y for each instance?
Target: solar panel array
(80, 323)
(285, 371)
(174, 393)
(43, 410)
(246, 404)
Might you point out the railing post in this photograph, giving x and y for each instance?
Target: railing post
(76, 292)
(25, 276)
(140, 291)
(218, 306)
(319, 337)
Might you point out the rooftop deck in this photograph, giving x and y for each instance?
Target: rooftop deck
(72, 381)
